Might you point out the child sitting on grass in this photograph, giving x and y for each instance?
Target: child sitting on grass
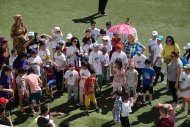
(22, 88)
(89, 87)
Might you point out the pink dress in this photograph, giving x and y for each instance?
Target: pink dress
(118, 79)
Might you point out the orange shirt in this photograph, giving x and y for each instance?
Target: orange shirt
(90, 85)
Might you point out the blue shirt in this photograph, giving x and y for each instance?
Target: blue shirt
(148, 75)
(5, 83)
(20, 64)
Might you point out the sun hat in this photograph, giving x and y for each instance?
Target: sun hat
(187, 46)
(69, 36)
(160, 38)
(31, 34)
(154, 33)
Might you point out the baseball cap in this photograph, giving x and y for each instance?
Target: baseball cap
(187, 46)
(139, 50)
(187, 66)
(118, 46)
(160, 38)
(61, 42)
(105, 38)
(69, 36)
(31, 34)
(147, 61)
(3, 100)
(154, 33)
(33, 51)
(95, 45)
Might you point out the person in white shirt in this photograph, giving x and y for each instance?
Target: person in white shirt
(157, 60)
(96, 60)
(105, 36)
(35, 62)
(151, 42)
(95, 31)
(71, 82)
(119, 54)
(106, 73)
(43, 53)
(139, 60)
(60, 60)
(108, 26)
(88, 46)
(106, 44)
(12, 57)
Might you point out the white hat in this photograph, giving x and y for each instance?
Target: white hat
(105, 38)
(187, 46)
(31, 34)
(154, 33)
(56, 29)
(69, 36)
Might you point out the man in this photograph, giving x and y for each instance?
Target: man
(166, 114)
(102, 6)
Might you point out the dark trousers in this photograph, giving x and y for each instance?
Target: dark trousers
(102, 6)
(158, 73)
(139, 70)
(173, 90)
(124, 121)
(59, 80)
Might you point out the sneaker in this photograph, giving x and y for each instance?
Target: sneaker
(143, 102)
(32, 113)
(78, 104)
(86, 113)
(52, 99)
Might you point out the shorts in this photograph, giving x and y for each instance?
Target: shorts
(89, 98)
(35, 96)
(51, 83)
(147, 88)
(22, 92)
(132, 90)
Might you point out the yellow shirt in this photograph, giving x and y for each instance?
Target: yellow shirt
(168, 49)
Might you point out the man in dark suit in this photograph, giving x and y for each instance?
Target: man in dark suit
(102, 6)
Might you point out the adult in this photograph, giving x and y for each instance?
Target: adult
(4, 119)
(130, 47)
(19, 33)
(169, 48)
(119, 54)
(167, 116)
(174, 75)
(187, 53)
(102, 6)
(4, 52)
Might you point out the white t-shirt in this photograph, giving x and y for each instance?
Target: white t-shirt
(126, 108)
(85, 73)
(86, 48)
(110, 34)
(151, 42)
(139, 60)
(95, 59)
(21, 81)
(71, 77)
(106, 59)
(43, 54)
(109, 39)
(72, 50)
(50, 120)
(157, 53)
(36, 67)
(11, 60)
(95, 33)
(186, 57)
(184, 84)
(109, 47)
(56, 40)
(59, 60)
(122, 55)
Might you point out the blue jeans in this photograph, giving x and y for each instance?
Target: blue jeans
(116, 114)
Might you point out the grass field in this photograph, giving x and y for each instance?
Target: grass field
(168, 17)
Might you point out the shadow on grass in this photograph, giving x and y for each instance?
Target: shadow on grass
(186, 123)
(108, 124)
(87, 19)
(21, 118)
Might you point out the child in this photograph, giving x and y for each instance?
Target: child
(106, 44)
(84, 74)
(33, 81)
(106, 73)
(89, 86)
(71, 82)
(148, 74)
(116, 111)
(21, 87)
(44, 52)
(118, 75)
(87, 46)
(12, 57)
(131, 79)
(185, 88)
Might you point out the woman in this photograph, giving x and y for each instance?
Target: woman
(130, 47)
(186, 56)
(4, 52)
(19, 33)
(174, 75)
(73, 52)
(169, 48)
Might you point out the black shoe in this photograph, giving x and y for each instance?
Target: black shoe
(143, 102)
(97, 110)
(86, 113)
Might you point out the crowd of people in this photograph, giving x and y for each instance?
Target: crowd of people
(30, 70)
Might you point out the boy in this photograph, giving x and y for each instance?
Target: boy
(116, 111)
(95, 31)
(71, 82)
(12, 57)
(148, 74)
(89, 87)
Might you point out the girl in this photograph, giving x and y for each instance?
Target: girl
(12, 57)
(87, 46)
(118, 75)
(44, 52)
(116, 111)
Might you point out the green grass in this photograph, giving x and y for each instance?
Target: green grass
(169, 17)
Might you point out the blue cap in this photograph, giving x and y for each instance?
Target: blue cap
(139, 50)
(160, 38)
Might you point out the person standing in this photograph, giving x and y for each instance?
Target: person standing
(102, 6)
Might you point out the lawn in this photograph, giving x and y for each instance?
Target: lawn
(168, 17)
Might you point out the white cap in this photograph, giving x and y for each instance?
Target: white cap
(69, 36)
(187, 46)
(31, 34)
(105, 38)
(154, 33)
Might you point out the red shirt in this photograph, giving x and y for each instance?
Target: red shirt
(89, 85)
(167, 122)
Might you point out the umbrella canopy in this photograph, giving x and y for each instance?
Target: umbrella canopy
(122, 29)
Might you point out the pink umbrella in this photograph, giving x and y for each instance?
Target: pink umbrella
(122, 29)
